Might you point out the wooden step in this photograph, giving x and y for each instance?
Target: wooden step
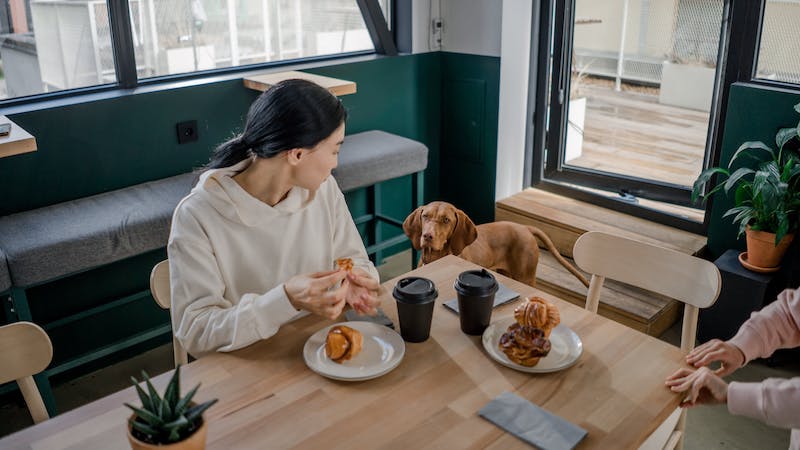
(564, 219)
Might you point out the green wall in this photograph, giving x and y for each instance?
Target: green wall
(447, 101)
(755, 113)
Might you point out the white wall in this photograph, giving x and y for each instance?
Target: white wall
(514, 67)
(470, 26)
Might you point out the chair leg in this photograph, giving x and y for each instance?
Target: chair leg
(376, 223)
(418, 194)
(19, 304)
(681, 426)
(43, 383)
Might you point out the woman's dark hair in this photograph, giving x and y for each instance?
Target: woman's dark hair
(290, 114)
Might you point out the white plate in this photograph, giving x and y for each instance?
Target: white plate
(382, 351)
(565, 348)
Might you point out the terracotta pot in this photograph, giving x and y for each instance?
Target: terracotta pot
(197, 441)
(761, 248)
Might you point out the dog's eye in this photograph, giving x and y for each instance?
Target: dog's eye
(425, 216)
(446, 220)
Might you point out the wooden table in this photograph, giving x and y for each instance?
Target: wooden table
(270, 399)
(334, 85)
(18, 140)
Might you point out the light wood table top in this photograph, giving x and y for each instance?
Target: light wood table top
(334, 85)
(18, 141)
(268, 398)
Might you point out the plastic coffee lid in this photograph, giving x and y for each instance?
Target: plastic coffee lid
(476, 283)
(415, 290)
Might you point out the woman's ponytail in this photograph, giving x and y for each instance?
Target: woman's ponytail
(229, 153)
(291, 114)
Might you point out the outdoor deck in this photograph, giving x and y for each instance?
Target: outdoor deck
(631, 133)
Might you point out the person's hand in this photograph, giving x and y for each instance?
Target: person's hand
(363, 291)
(318, 292)
(702, 386)
(729, 356)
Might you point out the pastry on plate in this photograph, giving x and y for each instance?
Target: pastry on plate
(343, 343)
(524, 345)
(538, 313)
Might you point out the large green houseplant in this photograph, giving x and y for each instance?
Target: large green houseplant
(170, 422)
(766, 197)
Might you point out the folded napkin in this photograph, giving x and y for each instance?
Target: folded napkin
(532, 424)
(502, 296)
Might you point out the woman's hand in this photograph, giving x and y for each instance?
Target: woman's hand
(318, 292)
(729, 356)
(701, 385)
(363, 291)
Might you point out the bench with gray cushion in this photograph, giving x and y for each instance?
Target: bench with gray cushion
(57, 241)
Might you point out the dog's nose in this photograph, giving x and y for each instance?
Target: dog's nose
(427, 236)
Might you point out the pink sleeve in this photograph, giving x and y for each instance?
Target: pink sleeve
(776, 326)
(774, 401)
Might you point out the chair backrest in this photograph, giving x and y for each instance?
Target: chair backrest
(691, 280)
(160, 288)
(25, 350)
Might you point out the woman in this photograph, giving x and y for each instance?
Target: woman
(253, 244)
(773, 401)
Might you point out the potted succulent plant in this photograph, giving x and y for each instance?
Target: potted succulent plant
(766, 198)
(169, 422)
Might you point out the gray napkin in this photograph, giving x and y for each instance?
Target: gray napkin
(502, 296)
(532, 424)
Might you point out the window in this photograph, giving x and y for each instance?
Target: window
(779, 51)
(55, 45)
(52, 45)
(179, 36)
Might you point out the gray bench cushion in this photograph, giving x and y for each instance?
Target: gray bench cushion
(5, 277)
(374, 156)
(47, 243)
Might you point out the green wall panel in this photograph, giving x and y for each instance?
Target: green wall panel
(470, 103)
(754, 113)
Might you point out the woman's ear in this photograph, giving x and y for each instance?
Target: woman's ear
(412, 227)
(294, 156)
(464, 233)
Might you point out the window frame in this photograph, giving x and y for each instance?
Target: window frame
(383, 41)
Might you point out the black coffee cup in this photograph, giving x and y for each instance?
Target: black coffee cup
(415, 298)
(475, 290)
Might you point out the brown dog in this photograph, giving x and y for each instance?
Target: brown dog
(439, 229)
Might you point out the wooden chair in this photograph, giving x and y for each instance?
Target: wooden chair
(25, 350)
(688, 279)
(159, 287)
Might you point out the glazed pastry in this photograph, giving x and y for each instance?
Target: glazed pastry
(538, 313)
(343, 343)
(344, 263)
(524, 345)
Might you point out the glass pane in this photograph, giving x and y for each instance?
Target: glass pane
(52, 45)
(179, 36)
(779, 54)
(641, 87)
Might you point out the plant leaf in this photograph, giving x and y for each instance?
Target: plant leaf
(171, 394)
(751, 145)
(180, 408)
(797, 107)
(154, 397)
(146, 415)
(736, 176)
(784, 135)
(146, 403)
(703, 178)
(196, 411)
(145, 428)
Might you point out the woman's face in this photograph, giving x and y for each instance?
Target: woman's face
(316, 163)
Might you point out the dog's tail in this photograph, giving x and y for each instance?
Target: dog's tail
(550, 246)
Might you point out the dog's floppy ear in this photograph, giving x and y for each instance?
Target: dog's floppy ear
(464, 233)
(412, 227)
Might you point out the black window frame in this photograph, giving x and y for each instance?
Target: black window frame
(738, 58)
(383, 41)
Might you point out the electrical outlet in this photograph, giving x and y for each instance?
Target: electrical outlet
(437, 29)
(187, 131)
